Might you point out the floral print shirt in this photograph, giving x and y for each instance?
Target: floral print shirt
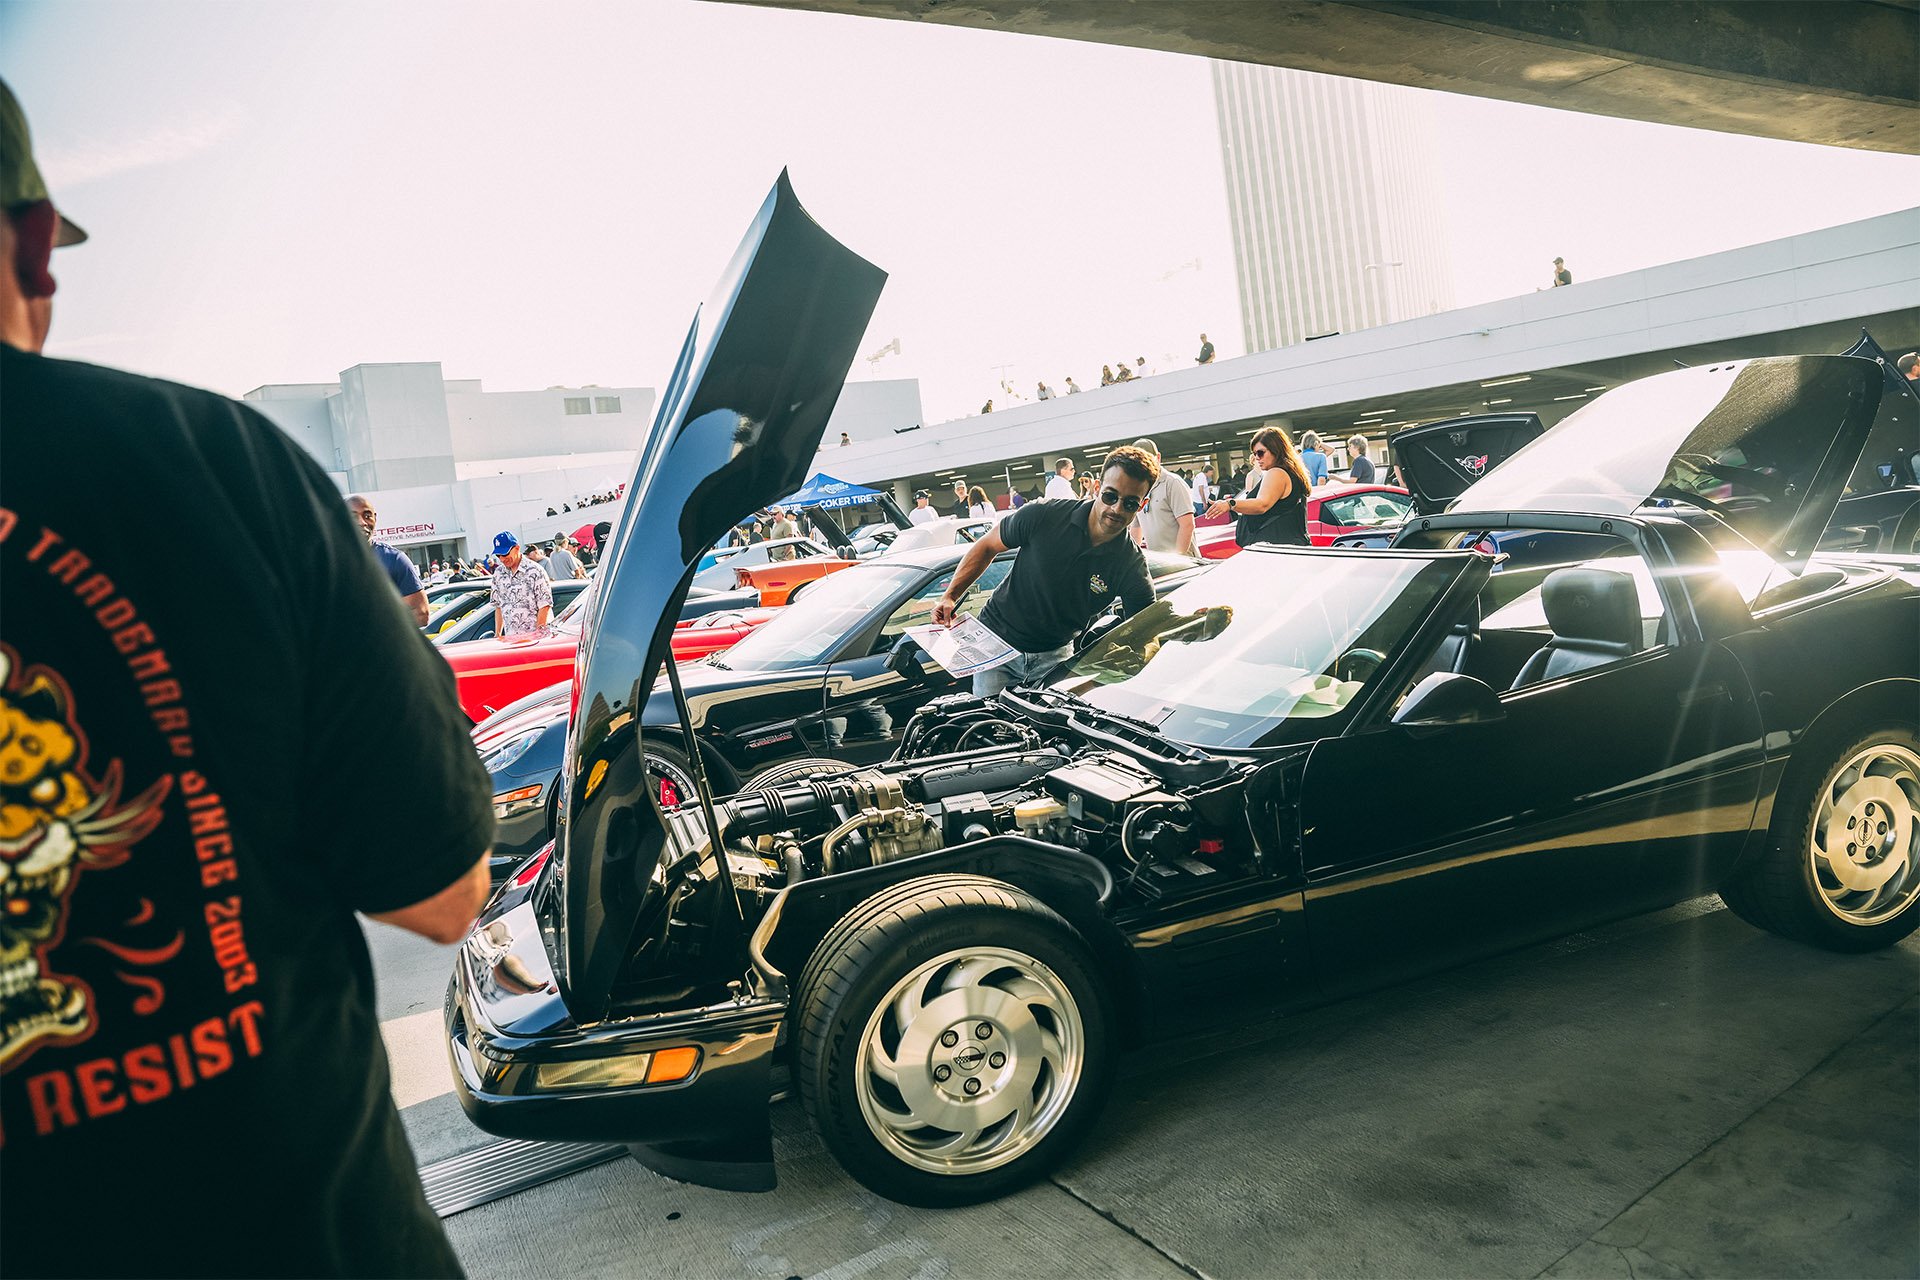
(521, 594)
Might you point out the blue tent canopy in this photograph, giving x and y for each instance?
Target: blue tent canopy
(822, 490)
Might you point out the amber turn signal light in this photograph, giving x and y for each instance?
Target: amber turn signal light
(670, 1065)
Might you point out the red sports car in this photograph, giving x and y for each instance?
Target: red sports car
(491, 674)
(1332, 509)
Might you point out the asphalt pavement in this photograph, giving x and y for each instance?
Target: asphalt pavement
(1673, 1095)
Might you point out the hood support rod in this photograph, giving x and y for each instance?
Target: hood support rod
(702, 785)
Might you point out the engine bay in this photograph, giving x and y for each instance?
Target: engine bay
(1167, 826)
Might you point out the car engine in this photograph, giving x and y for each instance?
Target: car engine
(1165, 825)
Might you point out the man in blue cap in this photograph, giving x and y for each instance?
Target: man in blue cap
(522, 591)
(187, 1022)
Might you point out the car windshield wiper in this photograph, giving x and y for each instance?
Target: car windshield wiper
(1086, 710)
(1075, 705)
(713, 660)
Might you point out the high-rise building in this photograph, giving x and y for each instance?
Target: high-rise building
(1335, 203)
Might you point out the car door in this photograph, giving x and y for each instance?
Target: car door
(867, 704)
(1597, 794)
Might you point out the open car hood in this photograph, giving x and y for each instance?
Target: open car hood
(1891, 458)
(738, 424)
(1439, 461)
(1768, 445)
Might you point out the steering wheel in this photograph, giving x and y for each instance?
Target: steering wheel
(1358, 664)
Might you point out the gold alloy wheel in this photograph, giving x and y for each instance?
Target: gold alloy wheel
(970, 1060)
(1864, 849)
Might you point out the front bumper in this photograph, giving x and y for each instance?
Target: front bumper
(523, 1068)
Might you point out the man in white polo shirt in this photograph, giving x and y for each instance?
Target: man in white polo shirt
(1166, 522)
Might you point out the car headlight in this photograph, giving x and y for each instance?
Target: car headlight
(507, 752)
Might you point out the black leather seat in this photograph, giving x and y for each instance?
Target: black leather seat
(1595, 616)
(1455, 648)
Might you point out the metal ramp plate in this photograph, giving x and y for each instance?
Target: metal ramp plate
(502, 1169)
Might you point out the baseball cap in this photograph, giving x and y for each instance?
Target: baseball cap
(921, 493)
(20, 180)
(504, 542)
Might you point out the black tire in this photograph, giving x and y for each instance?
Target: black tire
(794, 594)
(1791, 890)
(1035, 1099)
(795, 770)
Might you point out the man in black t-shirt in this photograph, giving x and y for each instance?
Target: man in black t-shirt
(1074, 558)
(203, 777)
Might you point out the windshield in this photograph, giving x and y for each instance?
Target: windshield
(1262, 638)
(806, 631)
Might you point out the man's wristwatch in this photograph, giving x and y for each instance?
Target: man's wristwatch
(1231, 504)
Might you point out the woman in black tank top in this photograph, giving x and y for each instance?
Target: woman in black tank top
(1274, 508)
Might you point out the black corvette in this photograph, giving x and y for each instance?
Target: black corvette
(948, 949)
(819, 680)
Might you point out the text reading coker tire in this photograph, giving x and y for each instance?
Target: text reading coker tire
(953, 1040)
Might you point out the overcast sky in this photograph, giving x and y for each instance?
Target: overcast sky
(540, 195)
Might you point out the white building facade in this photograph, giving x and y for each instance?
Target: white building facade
(447, 465)
(1334, 200)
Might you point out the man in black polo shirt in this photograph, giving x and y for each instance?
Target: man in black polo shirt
(1074, 558)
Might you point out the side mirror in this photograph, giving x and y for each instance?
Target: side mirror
(904, 660)
(1447, 699)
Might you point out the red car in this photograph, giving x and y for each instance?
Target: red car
(491, 674)
(1332, 509)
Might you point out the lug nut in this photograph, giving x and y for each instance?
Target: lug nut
(996, 1059)
(949, 1038)
(971, 1086)
(942, 1072)
(984, 1031)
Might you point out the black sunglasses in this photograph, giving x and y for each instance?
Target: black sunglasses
(1128, 504)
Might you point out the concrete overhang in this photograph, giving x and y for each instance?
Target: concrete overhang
(1547, 352)
(1843, 73)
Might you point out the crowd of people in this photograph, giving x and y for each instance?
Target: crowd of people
(1110, 375)
(770, 524)
(560, 557)
(584, 501)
